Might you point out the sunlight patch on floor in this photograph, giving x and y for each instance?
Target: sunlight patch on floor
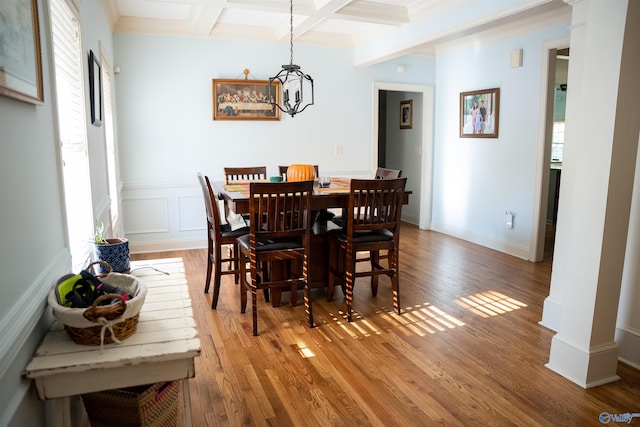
(305, 351)
(490, 303)
(420, 320)
(353, 329)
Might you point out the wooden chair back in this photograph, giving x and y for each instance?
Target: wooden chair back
(211, 208)
(376, 205)
(280, 211)
(206, 196)
(246, 173)
(384, 173)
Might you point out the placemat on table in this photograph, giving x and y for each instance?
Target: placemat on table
(334, 190)
(238, 187)
(343, 182)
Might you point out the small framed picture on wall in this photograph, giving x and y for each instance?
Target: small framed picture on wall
(406, 114)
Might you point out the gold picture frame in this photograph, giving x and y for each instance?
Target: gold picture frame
(406, 114)
(20, 55)
(480, 113)
(245, 100)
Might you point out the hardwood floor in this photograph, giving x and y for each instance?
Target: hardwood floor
(467, 350)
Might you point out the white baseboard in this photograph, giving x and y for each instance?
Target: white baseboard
(509, 248)
(587, 367)
(167, 245)
(628, 340)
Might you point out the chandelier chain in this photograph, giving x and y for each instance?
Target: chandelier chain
(291, 32)
(293, 81)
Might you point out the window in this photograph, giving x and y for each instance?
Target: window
(70, 97)
(557, 143)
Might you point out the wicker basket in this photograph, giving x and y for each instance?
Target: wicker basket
(98, 325)
(154, 405)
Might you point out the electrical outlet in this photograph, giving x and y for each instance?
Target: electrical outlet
(338, 150)
(510, 215)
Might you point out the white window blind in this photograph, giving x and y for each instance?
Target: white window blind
(70, 97)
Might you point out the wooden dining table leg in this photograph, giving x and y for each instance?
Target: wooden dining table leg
(349, 279)
(276, 272)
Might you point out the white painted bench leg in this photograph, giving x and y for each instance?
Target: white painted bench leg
(186, 395)
(62, 409)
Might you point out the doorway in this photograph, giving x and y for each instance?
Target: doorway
(423, 120)
(549, 161)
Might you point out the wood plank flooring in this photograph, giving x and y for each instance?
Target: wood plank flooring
(467, 350)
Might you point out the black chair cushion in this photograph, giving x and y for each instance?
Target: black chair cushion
(270, 245)
(337, 220)
(363, 236)
(227, 232)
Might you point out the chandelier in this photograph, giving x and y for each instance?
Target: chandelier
(293, 82)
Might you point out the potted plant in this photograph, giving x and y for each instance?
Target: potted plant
(114, 251)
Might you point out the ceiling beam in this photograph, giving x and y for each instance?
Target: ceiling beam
(203, 17)
(321, 14)
(274, 6)
(372, 12)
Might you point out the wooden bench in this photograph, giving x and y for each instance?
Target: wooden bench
(163, 347)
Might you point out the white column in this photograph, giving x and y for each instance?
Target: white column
(601, 141)
(628, 323)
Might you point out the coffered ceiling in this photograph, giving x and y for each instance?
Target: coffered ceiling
(343, 23)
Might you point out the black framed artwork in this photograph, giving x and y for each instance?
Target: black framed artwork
(95, 89)
(406, 114)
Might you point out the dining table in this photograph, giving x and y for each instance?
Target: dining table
(333, 196)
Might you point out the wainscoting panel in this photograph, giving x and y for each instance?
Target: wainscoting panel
(163, 216)
(146, 215)
(191, 213)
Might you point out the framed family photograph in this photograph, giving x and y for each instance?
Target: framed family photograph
(20, 57)
(406, 114)
(95, 89)
(245, 100)
(480, 113)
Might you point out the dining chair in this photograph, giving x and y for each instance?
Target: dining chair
(279, 233)
(219, 234)
(246, 173)
(384, 173)
(282, 170)
(374, 226)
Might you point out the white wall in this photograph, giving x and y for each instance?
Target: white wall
(34, 253)
(166, 132)
(32, 224)
(167, 135)
(477, 180)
